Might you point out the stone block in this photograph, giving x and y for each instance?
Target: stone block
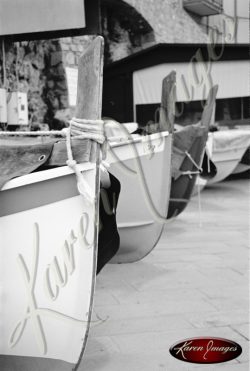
(55, 58)
(69, 58)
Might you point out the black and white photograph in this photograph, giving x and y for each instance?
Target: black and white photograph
(124, 185)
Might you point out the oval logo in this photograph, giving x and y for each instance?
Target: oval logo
(206, 350)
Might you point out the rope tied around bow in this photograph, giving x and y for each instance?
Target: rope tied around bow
(89, 129)
(198, 172)
(189, 172)
(84, 129)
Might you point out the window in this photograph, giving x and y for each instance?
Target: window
(232, 109)
(246, 107)
(228, 111)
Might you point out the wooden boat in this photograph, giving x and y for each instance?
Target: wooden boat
(208, 170)
(219, 164)
(244, 164)
(48, 239)
(226, 149)
(188, 151)
(182, 186)
(143, 173)
(143, 166)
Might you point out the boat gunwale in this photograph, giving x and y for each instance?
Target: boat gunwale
(140, 139)
(44, 175)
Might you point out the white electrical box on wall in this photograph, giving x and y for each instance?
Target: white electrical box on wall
(17, 108)
(3, 106)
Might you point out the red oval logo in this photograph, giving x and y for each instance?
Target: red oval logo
(206, 350)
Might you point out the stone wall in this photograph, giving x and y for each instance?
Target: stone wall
(26, 73)
(132, 25)
(124, 29)
(38, 69)
(170, 22)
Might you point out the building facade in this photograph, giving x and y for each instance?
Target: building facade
(38, 67)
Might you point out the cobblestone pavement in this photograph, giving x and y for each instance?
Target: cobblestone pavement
(194, 283)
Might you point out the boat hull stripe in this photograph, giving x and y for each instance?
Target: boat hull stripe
(37, 194)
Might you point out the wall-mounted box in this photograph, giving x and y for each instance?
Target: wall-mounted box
(17, 109)
(3, 105)
(203, 7)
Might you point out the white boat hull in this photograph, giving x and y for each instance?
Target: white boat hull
(144, 197)
(241, 168)
(225, 164)
(226, 150)
(244, 164)
(48, 242)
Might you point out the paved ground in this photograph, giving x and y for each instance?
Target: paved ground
(194, 283)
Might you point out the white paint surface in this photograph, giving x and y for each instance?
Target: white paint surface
(18, 16)
(63, 336)
(231, 76)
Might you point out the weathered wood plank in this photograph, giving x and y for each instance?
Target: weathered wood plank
(89, 106)
(209, 109)
(167, 110)
(89, 87)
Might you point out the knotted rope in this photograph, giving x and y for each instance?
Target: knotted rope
(199, 170)
(87, 129)
(84, 129)
(189, 172)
